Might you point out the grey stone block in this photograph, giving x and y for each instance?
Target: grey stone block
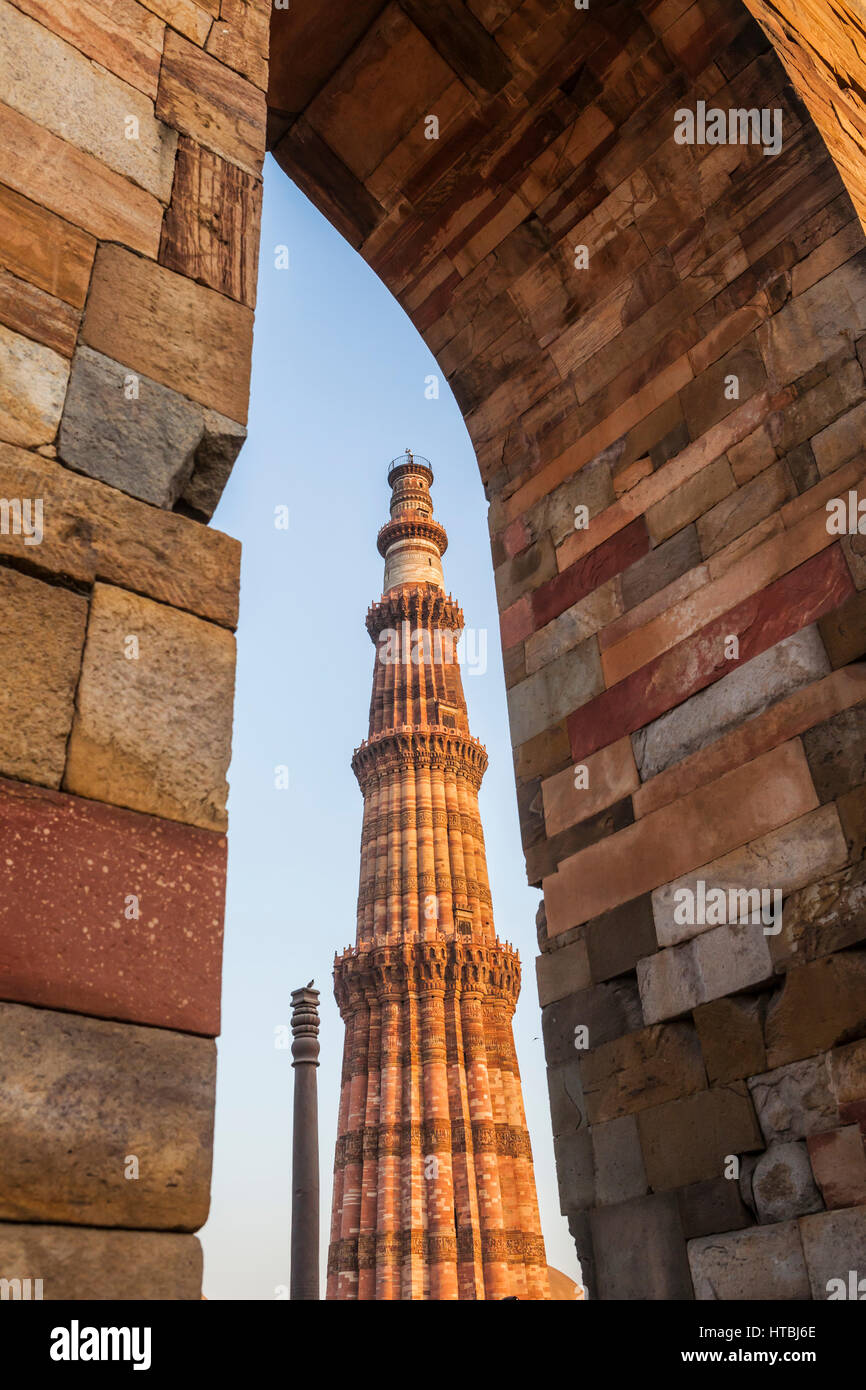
(794, 1101)
(640, 1250)
(782, 1183)
(83, 1262)
(834, 1244)
(763, 1263)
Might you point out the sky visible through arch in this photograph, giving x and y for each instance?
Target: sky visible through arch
(338, 389)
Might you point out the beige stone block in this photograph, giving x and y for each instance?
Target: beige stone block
(786, 859)
(821, 1005)
(82, 1262)
(95, 531)
(83, 104)
(181, 334)
(722, 961)
(41, 639)
(732, 1040)
(123, 37)
(834, 1243)
(32, 389)
(610, 775)
(153, 732)
(795, 1101)
(202, 98)
(79, 1097)
(562, 972)
(840, 441)
(764, 1263)
(573, 626)
(689, 1140)
(807, 331)
(192, 20)
(645, 1068)
(690, 500)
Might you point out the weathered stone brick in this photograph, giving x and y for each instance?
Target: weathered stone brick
(838, 1159)
(807, 330)
(619, 1170)
(219, 252)
(742, 694)
(140, 934)
(563, 972)
(732, 1039)
(94, 531)
(688, 1140)
(690, 500)
(154, 732)
(840, 441)
(660, 567)
(821, 1005)
(606, 1011)
(32, 387)
(610, 775)
(834, 1242)
(795, 1101)
(765, 1262)
(617, 940)
(782, 1183)
(836, 751)
(651, 1224)
(574, 626)
(141, 1091)
(545, 697)
(712, 1205)
(746, 507)
(181, 334)
(81, 1263)
(843, 631)
(205, 100)
(37, 694)
(649, 1067)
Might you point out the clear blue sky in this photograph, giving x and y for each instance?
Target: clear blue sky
(338, 389)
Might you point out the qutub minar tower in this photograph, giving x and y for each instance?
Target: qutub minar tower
(434, 1190)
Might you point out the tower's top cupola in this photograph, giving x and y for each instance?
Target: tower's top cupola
(412, 542)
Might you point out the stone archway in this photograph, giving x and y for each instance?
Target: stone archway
(656, 347)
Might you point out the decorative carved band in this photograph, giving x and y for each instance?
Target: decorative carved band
(422, 605)
(394, 1248)
(455, 966)
(434, 1137)
(417, 747)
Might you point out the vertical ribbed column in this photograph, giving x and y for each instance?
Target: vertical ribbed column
(426, 858)
(537, 1286)
(493, 1249)
(438, 1177)
(388, 1221)
(332, 1290)
(394, 877)
(351, 1205)
(369, 1161)
(470, 1272)
(413, 902)
(412, 1204)
(504, 1160)
(465, 803)
(441, 856)
(455, 841)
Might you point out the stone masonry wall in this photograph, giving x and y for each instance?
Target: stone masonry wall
(658, 348)
(131, 141)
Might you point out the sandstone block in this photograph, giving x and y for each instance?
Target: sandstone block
(840, 441)
(81, 1263)
(563, 972)
(158, 446)
(847, 1071)
(743, 693)
(76, 186)
(834, 1242)
(170, 329)
(617, 940)
(573, 626)
(32, 387)
(655, 1065)
(806, 332)
(126, 1091)
(38, 693)
(219, 252)
(649, 1224)
(83, 104)
(742, 805)
(721, 961)
(712, 1205)
(761, 1264)
(610, 775)
(92, 530)
(603, 563)
(213, 105)
(37, 315)
(824, 917)
(821, 1005)
(688, 1140)
(139, 935)
(838, 1159)
(782, 1183)
(567, 1102)
(787, 859)
(843, 631)
(836, 751)
(153, 733)
(606, 1011)
(127, 41)
(732, 1040)
(663, 564)
(619, 1169)
(573, 1154)
(745, 508)
(43, 249)
(690, 500)
(547, 696)
(795, 1101)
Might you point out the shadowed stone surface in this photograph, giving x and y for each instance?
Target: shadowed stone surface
(834, 1242)
(106, 912)
(651, 1225)
(794, 1101)
(763, 1263)
(79, 1098)
(37, 695)
(83, 1263)
(782, 1183)
(153, 733)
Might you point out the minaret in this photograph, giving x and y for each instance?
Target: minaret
(434, 1190)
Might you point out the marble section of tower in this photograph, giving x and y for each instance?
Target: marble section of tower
(434, 1189)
